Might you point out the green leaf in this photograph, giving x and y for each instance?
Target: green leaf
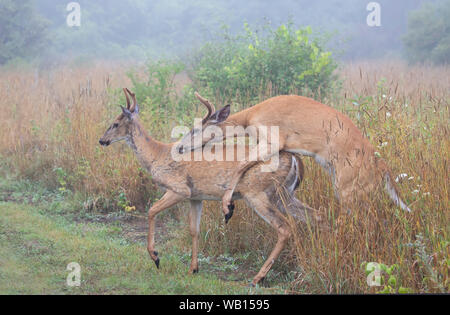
(392, 281)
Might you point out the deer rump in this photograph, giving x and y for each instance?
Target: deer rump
(277, 187)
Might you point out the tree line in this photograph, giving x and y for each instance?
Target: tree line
(416, 29)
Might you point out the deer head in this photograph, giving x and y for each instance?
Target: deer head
(212, 118)
(120, 129)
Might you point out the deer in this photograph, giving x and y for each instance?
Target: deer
(306, 127)
(201, 180)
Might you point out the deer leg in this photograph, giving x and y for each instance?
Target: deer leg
(227, 205)
(267, 211)
(169, 199)
(256, 154)
(194, 225)
(298, 210)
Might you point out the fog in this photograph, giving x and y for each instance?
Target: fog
(136, 29)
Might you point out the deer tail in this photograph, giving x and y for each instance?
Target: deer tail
(393, 193)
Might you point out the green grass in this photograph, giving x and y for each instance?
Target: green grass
(35, 249)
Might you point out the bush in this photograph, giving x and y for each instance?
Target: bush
(251, 67)
(428, 36)
(158, 82)
(162, 100)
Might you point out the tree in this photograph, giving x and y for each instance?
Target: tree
(428, 36)
(22, 30)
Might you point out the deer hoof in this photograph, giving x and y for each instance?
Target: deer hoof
(157, 259)
(230, 212)
(193, 271)
(257, 282)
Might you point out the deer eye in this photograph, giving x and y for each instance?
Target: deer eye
(115, 125)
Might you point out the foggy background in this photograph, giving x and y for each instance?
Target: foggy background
(138, 29)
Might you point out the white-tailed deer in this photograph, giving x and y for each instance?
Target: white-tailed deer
(309, 128)
(202, 180)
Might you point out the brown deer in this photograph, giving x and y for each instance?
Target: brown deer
(202, 180)
(309, 128)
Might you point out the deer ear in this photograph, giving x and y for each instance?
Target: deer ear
(220, 115)
(126, 112)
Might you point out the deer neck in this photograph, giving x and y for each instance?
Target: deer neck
(149, 152)
(235, 120)
(238, 119)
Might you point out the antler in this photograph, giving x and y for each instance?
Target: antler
(133, 97)
(209, 106)
(128, 99)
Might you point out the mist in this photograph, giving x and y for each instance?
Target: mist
(138, 29)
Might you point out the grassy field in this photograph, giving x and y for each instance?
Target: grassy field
(36, 246)
(50, 124)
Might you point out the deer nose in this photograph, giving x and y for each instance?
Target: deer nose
(103, 142)
(180, 149)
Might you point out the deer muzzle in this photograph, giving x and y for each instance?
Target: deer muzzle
(104, 143)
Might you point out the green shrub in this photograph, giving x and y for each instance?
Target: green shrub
(161, 100)
(157, 85)
(257, 65)
(245, 69)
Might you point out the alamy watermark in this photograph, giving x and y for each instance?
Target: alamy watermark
(208, 144)
(74, 17)
(374, 17)
(374, 274)
(74, 277)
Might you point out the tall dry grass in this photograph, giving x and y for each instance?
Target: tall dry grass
(50, 123)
